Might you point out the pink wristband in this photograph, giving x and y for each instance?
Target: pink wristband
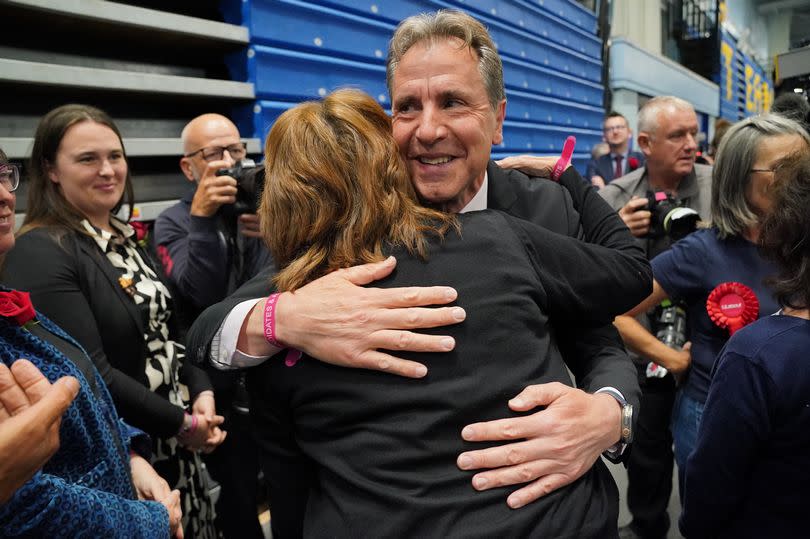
(270, 320)
(565, 158)
(188, 431)
(293, 355)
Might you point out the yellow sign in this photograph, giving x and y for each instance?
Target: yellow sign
(727, 55)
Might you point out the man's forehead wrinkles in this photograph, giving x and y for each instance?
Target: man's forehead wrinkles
(430, 87)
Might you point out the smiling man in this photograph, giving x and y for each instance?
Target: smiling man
(444, 122)
(446, 84)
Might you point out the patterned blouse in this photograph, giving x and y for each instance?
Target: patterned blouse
(140, 281)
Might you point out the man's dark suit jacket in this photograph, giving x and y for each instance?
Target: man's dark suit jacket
(605, 166)
(587, 351)
(487, 267)
(74, 285)
(352, 453)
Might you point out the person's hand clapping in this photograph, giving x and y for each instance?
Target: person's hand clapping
(31, 410)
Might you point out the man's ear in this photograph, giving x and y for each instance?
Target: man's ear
(644, 143)
(185, 166)
(500, 114)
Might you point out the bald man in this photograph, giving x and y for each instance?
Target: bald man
(207, 252)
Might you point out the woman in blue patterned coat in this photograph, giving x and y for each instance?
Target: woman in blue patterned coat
(91, 486)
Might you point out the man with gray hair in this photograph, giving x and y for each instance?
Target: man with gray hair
(446, 84)
(666, 134)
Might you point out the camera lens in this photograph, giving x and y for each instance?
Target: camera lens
(680, 222)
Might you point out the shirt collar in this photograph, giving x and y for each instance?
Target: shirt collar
(479, 201)
(103, 238)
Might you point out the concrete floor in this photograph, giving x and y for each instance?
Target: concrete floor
(620, 475)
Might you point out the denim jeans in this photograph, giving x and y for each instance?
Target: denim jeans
(686, 415)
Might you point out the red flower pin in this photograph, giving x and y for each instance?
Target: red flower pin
(633, 163)
(732, 306)
(141, 230)
(17, 305)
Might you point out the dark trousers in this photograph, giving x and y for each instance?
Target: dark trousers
(649, 468)
(235, 466)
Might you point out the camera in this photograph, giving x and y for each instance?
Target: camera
(670, 329)
(669, 217)
(671, 324)
(249, 184)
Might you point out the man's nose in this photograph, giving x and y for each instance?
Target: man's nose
(432, 126)
(691, 141)
(226, 156)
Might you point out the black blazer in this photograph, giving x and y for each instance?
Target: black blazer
(352, 453)
(72, 283)
(594, 354)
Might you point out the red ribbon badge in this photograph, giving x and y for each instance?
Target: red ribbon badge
(732, 306)
(17, 305)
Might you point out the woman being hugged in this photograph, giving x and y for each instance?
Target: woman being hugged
(85, 270)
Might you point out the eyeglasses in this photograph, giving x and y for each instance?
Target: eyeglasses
(9, 177)
(614, 128)
(215, 153)
(771, 170)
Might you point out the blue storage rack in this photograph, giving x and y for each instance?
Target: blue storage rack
(302, 50)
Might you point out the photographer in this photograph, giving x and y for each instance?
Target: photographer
(208, 248)
(644, 198)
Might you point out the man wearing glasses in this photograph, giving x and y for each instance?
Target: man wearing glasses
(207, 252)
(619, 161)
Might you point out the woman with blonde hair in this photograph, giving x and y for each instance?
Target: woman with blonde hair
(351, 452)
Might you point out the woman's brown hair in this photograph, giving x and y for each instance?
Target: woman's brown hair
(47, 206)
(337, 191)
(785, 236)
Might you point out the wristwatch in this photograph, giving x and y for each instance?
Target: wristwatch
(615, 452)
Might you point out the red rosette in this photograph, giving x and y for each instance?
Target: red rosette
(732, 306)
(17, 305)
(632, 163)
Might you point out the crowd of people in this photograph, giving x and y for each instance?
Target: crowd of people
(406, 337)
